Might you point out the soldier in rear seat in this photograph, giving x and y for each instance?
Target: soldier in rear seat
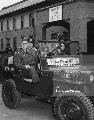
(8, 53)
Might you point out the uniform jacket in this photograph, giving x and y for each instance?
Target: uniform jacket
(5, 59)
(22, 58)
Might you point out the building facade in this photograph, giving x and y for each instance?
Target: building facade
(45, 19)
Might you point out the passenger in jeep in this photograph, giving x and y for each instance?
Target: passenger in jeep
(26, 60)
(8, 54)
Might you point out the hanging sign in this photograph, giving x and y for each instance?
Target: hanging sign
(55, 13)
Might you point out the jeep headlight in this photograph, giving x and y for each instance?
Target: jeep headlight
(91, 77)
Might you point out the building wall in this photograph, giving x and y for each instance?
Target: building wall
(79, 14)
(18, 32)
(76, 14)
(42, 17)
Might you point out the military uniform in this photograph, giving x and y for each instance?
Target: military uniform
(6, 56)
(28, 57)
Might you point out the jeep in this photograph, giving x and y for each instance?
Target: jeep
(65, 81)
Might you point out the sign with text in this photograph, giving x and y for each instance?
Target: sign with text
(55, 13)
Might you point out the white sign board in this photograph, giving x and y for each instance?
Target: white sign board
(10, 60)
(55, 13)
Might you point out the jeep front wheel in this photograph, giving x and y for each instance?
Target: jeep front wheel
(10, 96)
(73, 105)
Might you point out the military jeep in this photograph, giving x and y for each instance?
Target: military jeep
(64, 81)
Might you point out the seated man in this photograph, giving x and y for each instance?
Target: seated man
(26, 59)
(59, 50)
(8, 57)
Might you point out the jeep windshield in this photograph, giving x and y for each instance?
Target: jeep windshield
(68, 57)
(51, 48)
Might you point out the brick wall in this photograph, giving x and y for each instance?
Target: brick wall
(77, 14)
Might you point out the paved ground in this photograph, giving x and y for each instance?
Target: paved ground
(29, 109)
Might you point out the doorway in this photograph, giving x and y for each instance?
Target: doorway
(90, 38)
(55, 27)
(50, 33)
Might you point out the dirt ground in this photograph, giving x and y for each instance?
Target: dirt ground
(29, 109)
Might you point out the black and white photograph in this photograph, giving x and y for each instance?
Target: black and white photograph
(46, 59)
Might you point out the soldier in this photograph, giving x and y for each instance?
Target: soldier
(31, 43)
(35, 46)
(6, 56)
(26, 59)
(61, 47)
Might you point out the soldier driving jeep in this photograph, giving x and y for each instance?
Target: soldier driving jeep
(26, 59)
(60, 48)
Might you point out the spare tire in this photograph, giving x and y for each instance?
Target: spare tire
(10, 96)
(73, 105)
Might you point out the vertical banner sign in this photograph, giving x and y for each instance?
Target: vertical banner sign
(55, 13)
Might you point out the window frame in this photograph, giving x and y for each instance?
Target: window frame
(14, 23)
(14, 43)
(8, 43)
(54, 36)
(2, 26)
(8, 28)
(22, 21)
(2, 44)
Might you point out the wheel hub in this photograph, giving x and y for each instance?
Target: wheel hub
(71, 111)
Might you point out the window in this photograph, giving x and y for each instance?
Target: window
(22, 22)
(53, 36)
(7, 24)
(33, 22)
(2, 44)
(30, 19)
(2, 26)
(14, 43)
(7, 42)
(14, 23)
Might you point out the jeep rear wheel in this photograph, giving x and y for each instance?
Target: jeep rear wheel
(73, 105)
(10, 96)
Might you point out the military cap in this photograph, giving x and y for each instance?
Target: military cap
(31, 39)
(24, 39)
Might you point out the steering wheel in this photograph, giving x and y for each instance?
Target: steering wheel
(56, 51)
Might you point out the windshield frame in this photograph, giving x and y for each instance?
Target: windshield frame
(45, 44)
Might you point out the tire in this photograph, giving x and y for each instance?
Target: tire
(73, 105)
(10, 96)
